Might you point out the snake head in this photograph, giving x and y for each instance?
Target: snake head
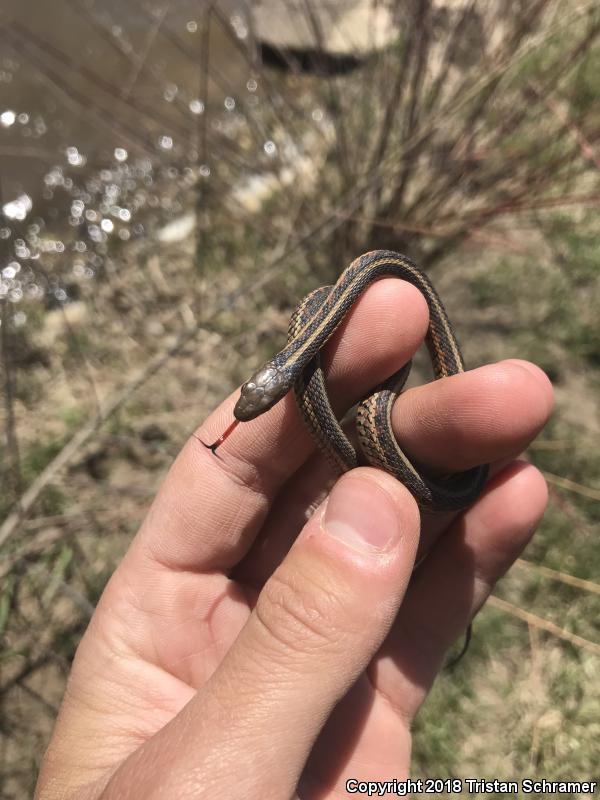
(265, 388)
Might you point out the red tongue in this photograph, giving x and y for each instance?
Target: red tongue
(222, 437)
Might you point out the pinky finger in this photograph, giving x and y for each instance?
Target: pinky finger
(454, 582)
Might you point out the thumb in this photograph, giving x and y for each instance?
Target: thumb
(317, 623)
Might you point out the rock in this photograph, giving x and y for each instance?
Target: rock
(177, 230)
(336, 27)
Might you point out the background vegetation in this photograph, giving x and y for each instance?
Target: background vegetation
(165, 174)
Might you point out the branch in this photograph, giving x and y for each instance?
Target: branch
(544, 625)
(562, 577)
(572, 486)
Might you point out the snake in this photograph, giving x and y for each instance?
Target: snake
(298, 367)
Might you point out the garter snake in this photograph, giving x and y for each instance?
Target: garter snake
(297, 366)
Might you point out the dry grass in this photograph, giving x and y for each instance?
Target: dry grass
(472, 143)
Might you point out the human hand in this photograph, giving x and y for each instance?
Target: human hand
(240, 650)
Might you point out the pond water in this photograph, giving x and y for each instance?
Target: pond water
(109, 111)
(113, 113)
(86, 80)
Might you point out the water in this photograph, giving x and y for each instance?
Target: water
(114, 115)
(110, 114)
(80, 79)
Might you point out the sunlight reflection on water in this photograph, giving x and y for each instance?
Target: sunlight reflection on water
(109, 123)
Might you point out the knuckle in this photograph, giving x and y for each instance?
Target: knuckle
(300, 613)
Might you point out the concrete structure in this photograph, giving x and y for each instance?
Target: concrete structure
(339, 27)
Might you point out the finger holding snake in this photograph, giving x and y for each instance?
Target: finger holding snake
(215, 669)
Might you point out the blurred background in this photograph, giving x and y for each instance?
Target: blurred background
(174, 176)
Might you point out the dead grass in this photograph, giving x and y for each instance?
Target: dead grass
(480, 158)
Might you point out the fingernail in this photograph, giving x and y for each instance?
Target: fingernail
(362, 514)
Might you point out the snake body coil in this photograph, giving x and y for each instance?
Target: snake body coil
(298, 366)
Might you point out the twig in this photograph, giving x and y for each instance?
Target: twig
(491, 80)
(51, 709)
(562, 577)
(419, 68)
(442, 233)
(551, 444)
(26, 670)
(392, 107)
(334, 98)
(75, 99)
(141, 58)
(585, 145)
(534, 205)
(12, 440)
(572, 486)
(81, 356)
(41, 542)
(52, 520)
(544, 624)
(45, 646)
(57, 584)
(571, 511)
(122, 49)
(19, 151)
(98, 81)
(201, 132)
(448, 55)
(13, 468)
